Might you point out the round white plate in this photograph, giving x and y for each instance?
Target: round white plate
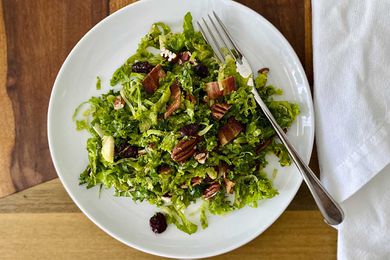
(105, 48)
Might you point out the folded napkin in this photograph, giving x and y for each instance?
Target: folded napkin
(351, 51)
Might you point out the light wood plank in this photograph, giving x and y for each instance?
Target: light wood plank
(296, 235)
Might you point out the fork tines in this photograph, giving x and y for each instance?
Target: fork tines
(216, 34)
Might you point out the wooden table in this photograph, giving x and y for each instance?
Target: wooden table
(42, 222)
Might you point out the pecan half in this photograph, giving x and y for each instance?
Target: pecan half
(184, 149)
(229, 185)
(151, 81)
(201, 157)
(175, 96)
(212, 190)
(218, 110)
(229, 131)
(222, 88)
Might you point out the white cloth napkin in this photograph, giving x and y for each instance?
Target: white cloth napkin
(351, 50)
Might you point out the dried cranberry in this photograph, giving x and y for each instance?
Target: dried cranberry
(142, 67)
(158, 223)
(189, 130)
(201, 70)
(126, 150)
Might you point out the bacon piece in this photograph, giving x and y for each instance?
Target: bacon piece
(218, 89)
(218, 110)
(175, 97)
(151, 81)
(229, 131)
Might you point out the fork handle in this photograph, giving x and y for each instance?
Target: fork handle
(330, 209)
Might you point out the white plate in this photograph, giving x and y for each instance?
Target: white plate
(105, 48)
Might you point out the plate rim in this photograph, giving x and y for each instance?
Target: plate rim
(106, 230)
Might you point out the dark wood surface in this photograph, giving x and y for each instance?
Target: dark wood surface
(35, 38)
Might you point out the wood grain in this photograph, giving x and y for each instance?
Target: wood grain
(7, 134)
(42, 222)
(40, 34)
(115, 5)
(295, 235)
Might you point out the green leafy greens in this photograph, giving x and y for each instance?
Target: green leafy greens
(142, 138)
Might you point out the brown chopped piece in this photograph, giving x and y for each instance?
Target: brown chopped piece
(191, 98)
(228, 85)
(151, 81)
(175, 97)
(264, 144)
(201, 157)
(218, 89)
(189, 130)
(263, 71)
(184, 149)
(218, 110)
(183, 56)
(222, 169)
(196, 181)
(119, 103)
(213, 91)
(212, 190)
(229, 185)
(164, 169)
(229, 131)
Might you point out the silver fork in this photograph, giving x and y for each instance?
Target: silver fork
(217, 35)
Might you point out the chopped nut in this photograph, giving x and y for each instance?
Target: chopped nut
(212, 190)
(175, 97)
(201, 157)
(222, 169)
(196, 181)
(229, 185)
(218, 110)
(263, 71)
(184, 149)
(119, 103)
(229, 131)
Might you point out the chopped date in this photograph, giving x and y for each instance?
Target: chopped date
(126, 150)
(189, 130)
(158, 223)
(141, 67)
(201, 70)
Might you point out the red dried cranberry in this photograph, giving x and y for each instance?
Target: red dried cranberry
(201, 70)
(158, 223)
(189, 130)
(126, 150)
(142, 67)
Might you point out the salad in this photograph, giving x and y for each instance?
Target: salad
(180, 127)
